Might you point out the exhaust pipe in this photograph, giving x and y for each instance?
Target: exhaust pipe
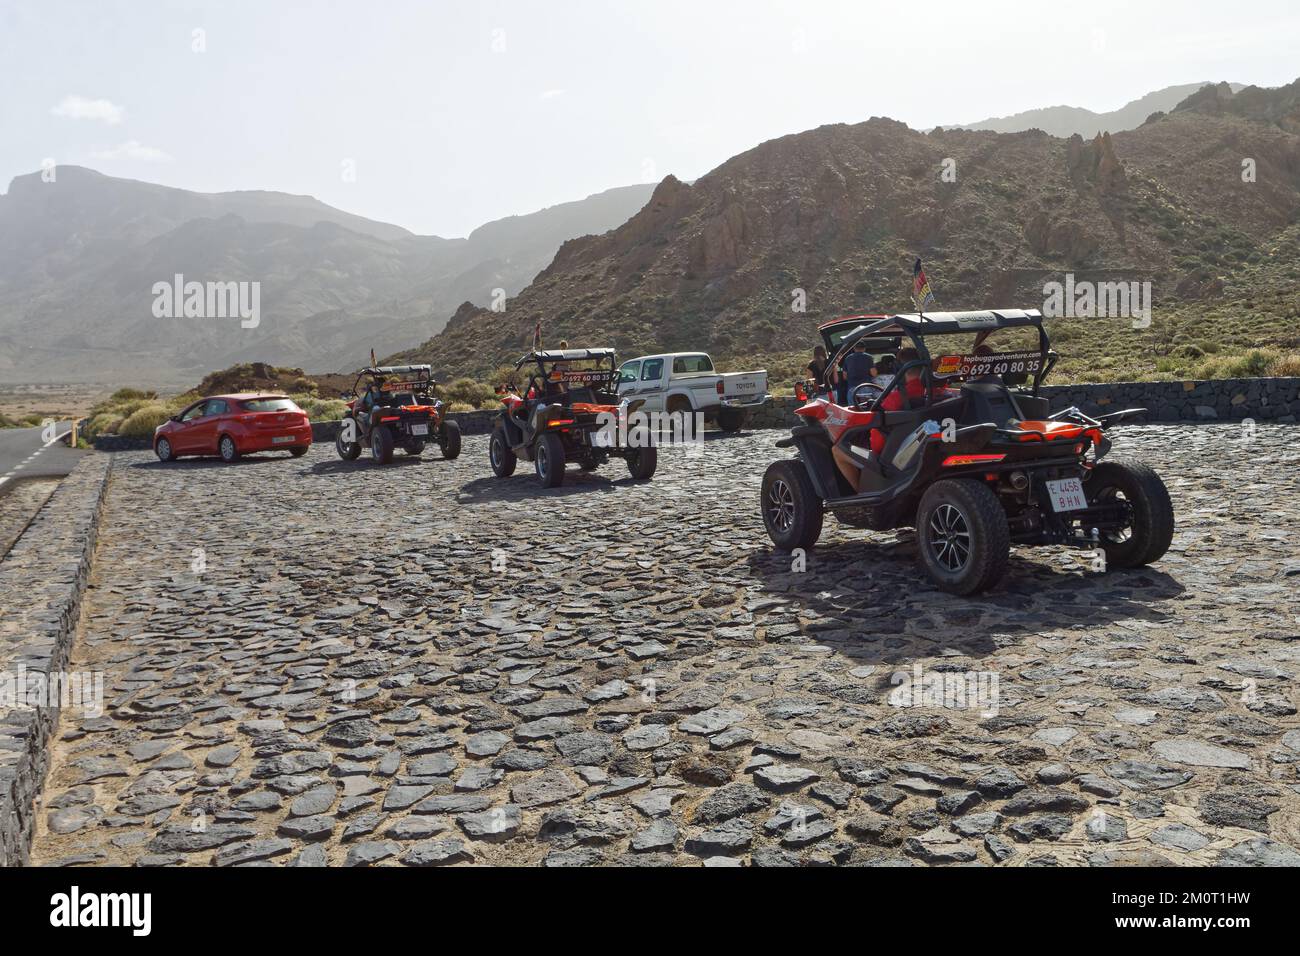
(1019, 480)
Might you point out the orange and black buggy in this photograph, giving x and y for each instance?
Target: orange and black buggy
(396, 409)
(961, 447)
(568, 410)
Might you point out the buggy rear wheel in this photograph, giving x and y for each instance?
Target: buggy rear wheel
(450, 441)
(499, 454)
(962, 539)
(549, 461)
(1151, 520)
(792, 510)
(381, 444)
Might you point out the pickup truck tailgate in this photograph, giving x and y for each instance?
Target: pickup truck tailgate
(744, 386)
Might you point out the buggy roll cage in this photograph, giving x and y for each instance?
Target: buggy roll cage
(423, 384)
(916, 326)
(540, 377)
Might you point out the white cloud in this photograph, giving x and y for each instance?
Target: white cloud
(133, 149)
(82, 107)
(551, 94)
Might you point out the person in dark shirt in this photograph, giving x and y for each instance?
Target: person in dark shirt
(857, 369)
(816, 369)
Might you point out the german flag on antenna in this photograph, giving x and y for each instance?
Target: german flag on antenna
(921, 294)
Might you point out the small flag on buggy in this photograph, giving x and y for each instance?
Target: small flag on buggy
(373, 363)
(921, 294)
(537, 336)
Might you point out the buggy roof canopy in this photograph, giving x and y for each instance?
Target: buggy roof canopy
(567, 355)
(396, 370)
(942, 323)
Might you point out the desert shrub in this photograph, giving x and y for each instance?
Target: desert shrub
(466, 391)
(321, 409)
(142, 422)
(460, 407)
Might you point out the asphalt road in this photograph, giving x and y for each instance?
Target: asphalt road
(25, 453)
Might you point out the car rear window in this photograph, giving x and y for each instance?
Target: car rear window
(271, 405)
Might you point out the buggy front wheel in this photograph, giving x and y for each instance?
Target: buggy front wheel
(792, 510)
(499, 454)
(642, 462)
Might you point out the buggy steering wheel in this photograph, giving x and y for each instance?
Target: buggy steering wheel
(869, 397)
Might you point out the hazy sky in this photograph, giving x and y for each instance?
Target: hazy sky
(455, 113)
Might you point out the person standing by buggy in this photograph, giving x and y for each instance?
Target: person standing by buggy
(857, 368)
(816, 369)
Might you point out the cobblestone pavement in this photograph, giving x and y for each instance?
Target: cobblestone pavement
(312, 662)
(19, 506)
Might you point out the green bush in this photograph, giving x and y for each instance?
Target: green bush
(321, 409)
(466, 391)
(142, 422)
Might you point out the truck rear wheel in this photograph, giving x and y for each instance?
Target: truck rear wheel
(731, 419)
(642, 462)
(1151, 527)
(962, 539)
(792, 510)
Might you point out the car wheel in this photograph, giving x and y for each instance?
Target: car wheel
(549, 461)
(414, 448)
(499, 454)
(792, 510)
(163, 449)
(229, 451)
(348, 450)
(642, 462)
(1151, 525)
(731, 419)
(298, 451)
(962, 539)
(450, 440)
(381, 444)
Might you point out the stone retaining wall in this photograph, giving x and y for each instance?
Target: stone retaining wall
(41, 583)
(1228, 399)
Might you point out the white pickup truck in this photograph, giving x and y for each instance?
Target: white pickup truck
(687, 382)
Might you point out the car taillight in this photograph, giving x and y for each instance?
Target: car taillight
(719, 386)
(953, 461)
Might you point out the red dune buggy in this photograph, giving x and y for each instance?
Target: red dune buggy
(396, 410)
(959, 448)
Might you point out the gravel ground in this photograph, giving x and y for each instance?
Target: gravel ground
(315, 662)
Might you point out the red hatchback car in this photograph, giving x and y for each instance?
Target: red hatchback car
(234, 425)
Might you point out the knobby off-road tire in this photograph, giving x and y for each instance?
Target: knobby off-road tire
(641, 464)
(381, 444)
(503, 460)
(962, 539)
(450, 443)
(228, 449)
(549, 461)
(731, 419)
(792, 510)
(1153, 513)
(348, 450)
(163, 449)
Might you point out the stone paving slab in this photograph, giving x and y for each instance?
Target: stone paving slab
(311, 662)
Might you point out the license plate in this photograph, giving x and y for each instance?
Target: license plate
(1067, 495)
(281, 439)
(419, 429)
